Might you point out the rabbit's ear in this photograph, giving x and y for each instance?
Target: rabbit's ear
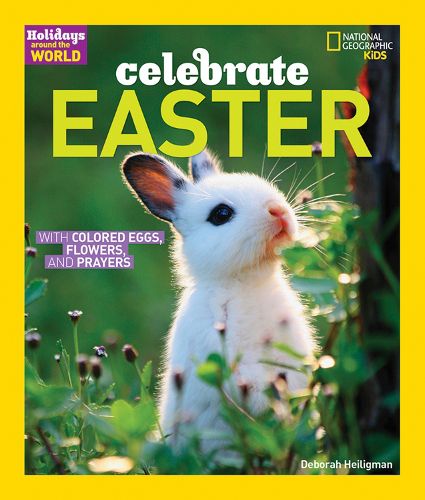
(155, 181)
(203, 164)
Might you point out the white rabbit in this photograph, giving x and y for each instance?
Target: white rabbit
(227, 228)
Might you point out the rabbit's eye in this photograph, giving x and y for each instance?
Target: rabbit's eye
(220, 214)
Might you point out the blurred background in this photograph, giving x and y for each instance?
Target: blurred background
(88, 194)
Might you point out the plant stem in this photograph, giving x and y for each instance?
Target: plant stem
(177, 412)
(161, 432)
(97, 392)
(68, 372)
(75, 334)
(76, 353)
(62, 370)
(233, 403)
(65, 358)
(81, 436)
(226, 401)
(319, 175)
(139, 374)
(144, 393)
(50, 451)
(28, 264)
(331, 337)
(87, 389)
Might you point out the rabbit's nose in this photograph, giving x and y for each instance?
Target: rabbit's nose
(276, 210)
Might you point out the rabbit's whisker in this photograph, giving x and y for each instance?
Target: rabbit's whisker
(318, 181)
(264, 159)
(274, 166)
(303, 179)
(276, 177)
(294, 180)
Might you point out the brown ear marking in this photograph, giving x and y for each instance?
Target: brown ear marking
(154, 181)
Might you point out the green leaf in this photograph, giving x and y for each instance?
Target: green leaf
(133, 422)
(145, 414)
(147, 375)
(123, 415)
(71, 425)
(261, 440)
(31, 374)
(46, 401)
(102, 423)
(49, 401)
(305, 442)
(288, 350)
(210, 372)
(89, 438)
(35, 290)
(105, 393)
(313, 285)
(217, 359)
(285, 366)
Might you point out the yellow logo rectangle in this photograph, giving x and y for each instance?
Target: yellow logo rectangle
(331, 38)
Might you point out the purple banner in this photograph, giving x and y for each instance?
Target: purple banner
(95, 249)
(64, 44)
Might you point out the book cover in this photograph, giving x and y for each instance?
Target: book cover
(212, 248)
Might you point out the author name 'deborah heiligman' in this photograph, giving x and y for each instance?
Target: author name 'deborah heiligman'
(346, 464)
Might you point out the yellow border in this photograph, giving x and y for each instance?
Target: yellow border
(328, 44)
(12, 181)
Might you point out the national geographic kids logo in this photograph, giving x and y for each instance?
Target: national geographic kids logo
(372, 45)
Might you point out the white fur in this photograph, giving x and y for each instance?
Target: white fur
(229, 274)
(228, 278)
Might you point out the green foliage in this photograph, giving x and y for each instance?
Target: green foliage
(34, 291)
(214, 370)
